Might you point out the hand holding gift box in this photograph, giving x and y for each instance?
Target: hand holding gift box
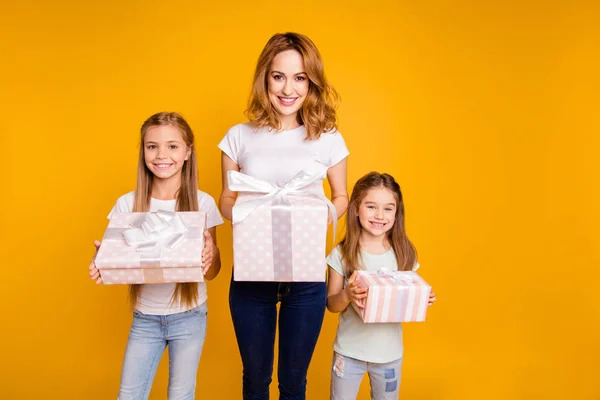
(279, 232)
(393, 296)
(159, 247)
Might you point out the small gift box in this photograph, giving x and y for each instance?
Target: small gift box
(393, 296)
(159, 247)
(279, 233)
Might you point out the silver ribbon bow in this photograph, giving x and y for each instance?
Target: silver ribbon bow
(156, 230)
(397, 276)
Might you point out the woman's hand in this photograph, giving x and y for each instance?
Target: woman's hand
(94, 273)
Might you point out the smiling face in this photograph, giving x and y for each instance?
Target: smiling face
(377, 212)
(287, 84)
(165, 151)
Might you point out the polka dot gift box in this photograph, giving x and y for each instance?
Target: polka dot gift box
(270, 247)
(280, 231)
(159, 247)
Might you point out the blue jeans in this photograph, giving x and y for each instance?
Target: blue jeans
(183, 333)
(347, 373)
(253, 308)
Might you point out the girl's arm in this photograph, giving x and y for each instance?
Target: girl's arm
(339, 297)
(211, 257)
(228, 197)
(337, 178)
(94, 273)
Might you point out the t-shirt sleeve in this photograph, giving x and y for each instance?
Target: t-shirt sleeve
(123, 204)
(338, 150)
(207, 204)
(334, 260)
(230, 144)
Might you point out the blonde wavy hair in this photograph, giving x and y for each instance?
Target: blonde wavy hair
(187, 195)
(318, 110)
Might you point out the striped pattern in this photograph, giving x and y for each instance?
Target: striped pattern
(391, 300)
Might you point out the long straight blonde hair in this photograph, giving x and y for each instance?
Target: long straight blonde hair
(186, 199)
(318, 110)
(406, 254)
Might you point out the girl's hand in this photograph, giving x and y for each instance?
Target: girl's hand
(94, 273)
(432, 298)
(355, 291)
(208, 254)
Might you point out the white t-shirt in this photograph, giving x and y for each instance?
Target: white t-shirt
(277, 156)
(155, 299)
(376, 343)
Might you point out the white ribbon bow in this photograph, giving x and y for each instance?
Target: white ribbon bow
(397, 276)
(160, 229)
(277, 195)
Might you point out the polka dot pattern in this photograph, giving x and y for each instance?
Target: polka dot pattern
(291, 253)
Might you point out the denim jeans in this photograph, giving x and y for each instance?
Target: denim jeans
(253, 308)
(183, 333)
(347, 373)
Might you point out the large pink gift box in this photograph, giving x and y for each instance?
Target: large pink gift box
(280, 230)
(393, 296)
(156, 247)
(266, 248)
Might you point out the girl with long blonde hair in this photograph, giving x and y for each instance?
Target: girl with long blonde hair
(292, 124)
(375, 238)
(169, 315)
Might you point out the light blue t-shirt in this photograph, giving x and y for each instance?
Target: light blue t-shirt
(376, 343)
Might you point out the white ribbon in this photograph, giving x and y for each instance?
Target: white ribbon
(160, 229)
(278, 195)
(281, 209)
(397, 276)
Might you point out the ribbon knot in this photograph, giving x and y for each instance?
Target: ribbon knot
(276, 195)
(396, 276)
(156, 230)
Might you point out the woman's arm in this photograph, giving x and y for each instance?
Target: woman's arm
(227, 199)
(337, 177)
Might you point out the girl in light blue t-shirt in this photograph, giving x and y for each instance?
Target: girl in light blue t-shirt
(375, 238)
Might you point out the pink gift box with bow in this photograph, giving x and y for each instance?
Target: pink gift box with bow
(280, 231)
(160, 247)
(294, 252)
(393, 296)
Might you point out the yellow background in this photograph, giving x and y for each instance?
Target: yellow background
(486, 112)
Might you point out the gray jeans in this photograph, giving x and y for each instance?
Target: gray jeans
(347, 373)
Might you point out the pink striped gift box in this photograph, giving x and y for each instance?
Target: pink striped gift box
(393, 296)
(170, 250)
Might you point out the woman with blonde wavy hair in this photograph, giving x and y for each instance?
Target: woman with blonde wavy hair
(292, 124)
